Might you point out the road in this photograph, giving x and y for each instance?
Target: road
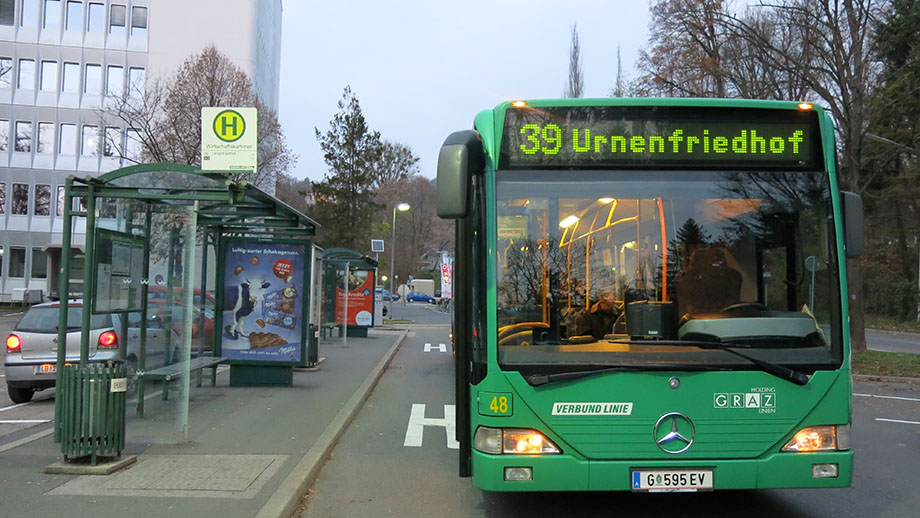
(386, 466)
(892, 342)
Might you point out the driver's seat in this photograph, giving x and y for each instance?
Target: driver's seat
(708, 284)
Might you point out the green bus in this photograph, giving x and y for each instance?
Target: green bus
(650, 295)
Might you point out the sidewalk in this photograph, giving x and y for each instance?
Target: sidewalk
(252, 450)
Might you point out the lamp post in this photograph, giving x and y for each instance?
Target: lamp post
(402, 207)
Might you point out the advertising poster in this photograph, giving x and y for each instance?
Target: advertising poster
(263, 304)
(360, 297)
(447, 274)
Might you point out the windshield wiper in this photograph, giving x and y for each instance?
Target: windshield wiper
(794, 376)
(536, 380)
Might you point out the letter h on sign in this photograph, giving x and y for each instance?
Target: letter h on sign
(227, 122)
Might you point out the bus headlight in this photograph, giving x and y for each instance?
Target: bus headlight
(517, 441)
(813, 438)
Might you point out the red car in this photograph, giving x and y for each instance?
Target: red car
(157, 297)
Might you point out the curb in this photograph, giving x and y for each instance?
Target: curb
(873, 377)
(289, 493)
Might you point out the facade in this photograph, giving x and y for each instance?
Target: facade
(59, 62)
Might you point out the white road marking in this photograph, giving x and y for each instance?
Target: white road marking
(441, 348)
(25, 440)
(896, 421)
(418, 422)
(25, 421)
(899, 398)
(4, 409)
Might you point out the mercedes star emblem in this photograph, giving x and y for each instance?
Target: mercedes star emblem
(674, 433)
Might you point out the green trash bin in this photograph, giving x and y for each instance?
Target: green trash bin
(92, 420)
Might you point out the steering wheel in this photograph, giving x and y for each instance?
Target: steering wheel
(743, 306)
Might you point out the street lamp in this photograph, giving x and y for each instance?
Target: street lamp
(402, 207)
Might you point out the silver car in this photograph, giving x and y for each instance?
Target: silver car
(32, 346)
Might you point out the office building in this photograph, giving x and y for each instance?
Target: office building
(61, 61)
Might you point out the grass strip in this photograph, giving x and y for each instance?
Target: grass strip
(880, 363)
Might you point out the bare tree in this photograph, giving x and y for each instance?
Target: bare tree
(804, 49)
(163, 120)
(696, 50)
(576, 84)
(396, 161)
(417, 230)
(838, 35)
(685, 58)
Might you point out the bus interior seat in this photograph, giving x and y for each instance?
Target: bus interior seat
(708, 283)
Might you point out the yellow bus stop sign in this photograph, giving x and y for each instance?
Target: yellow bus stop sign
(229, 125)
(228, 139)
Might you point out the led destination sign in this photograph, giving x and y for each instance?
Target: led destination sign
(615, 136)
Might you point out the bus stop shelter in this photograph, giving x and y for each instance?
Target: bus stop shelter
(184, 264)
(349, 286)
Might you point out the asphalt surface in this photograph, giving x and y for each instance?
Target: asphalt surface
(397, 459)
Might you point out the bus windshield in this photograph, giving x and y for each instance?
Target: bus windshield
(630, 268)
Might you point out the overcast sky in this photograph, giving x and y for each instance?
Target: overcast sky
(422, 69)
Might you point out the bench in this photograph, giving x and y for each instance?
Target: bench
(174, 371)
(329, 326)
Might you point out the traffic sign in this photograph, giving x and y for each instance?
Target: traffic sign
(229, 140)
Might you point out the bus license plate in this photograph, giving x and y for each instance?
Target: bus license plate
(46, 368)
(672, 480)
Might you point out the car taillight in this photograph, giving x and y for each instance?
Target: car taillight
(108, 340)
(13, 343)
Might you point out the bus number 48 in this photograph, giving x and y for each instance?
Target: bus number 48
(499, 405)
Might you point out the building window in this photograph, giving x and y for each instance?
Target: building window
(42, 200)
(17, 262)
(4, 135)
(52, 18)
(6, 73)
(26, 79)
(133, 145)
(39, 264)
(95, 20)
(45, 138)
(20, 199)
(114, 81)
(137, 82)
(61, 196)
(71, 80)
(68, 139)
(2, 198)
(29, 16)
(7, 12)
(112, 144)
(117, 16)
(23, 136)
(90, 140)
(92, 79)
(49, 76)
(74, 20)
(139, 21)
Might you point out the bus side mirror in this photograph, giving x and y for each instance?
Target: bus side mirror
(461, 155)
(852, 210)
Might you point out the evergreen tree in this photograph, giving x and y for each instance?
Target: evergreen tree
(344, 199)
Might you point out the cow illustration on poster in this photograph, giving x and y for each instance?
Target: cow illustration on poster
(263, 302)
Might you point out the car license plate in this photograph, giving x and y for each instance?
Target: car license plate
(672, 480)
(46, 368)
